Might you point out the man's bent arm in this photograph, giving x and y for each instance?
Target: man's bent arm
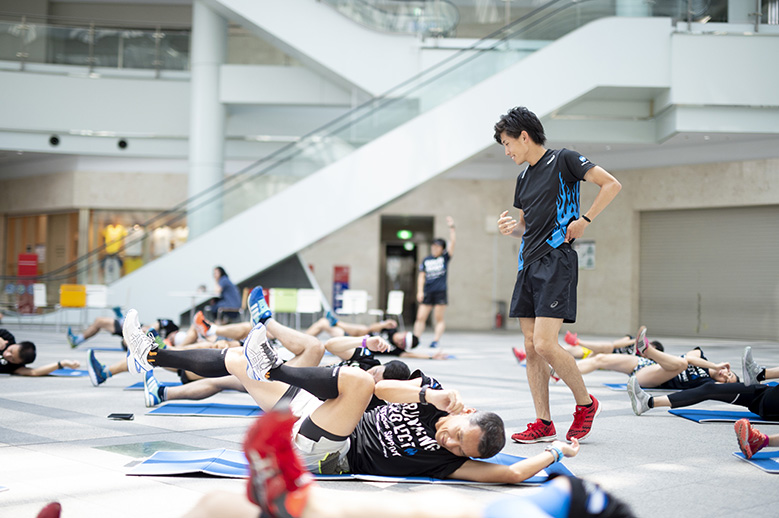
(609, 188)
(409, 391)
(398, 391)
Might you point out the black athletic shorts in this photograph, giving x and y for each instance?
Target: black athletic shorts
(547, 287)
(768, 403)
(117, 327)
(434, 298)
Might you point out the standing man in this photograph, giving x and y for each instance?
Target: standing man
(431, 285)
(547, 196)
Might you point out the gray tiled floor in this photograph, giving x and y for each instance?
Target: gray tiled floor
(56, 443)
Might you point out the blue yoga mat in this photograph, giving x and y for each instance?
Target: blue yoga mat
(718, 416)
(624, 387)
(230, 463)
(206, 409)
(72, 373)
(139, 385)
(765, 460)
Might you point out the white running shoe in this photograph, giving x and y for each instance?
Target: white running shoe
(749, 368)
(639, 398)
(260, 354)
(138, 344)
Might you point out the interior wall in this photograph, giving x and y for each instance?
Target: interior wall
(484, 267)
(74, 189)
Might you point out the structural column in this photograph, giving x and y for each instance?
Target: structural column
(207, 117)
(87, 273)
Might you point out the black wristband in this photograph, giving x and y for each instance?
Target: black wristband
(422, 392)
(588, 220)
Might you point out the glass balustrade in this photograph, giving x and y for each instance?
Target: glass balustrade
(419, 17)
(94, 47)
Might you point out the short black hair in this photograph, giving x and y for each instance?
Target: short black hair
(222, 272)
(516, 121)
(396, 370)
(657, 345)
(414, 341)
(493, 437)
(27, 352)
(439, 241)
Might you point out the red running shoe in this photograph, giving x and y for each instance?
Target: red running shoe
(536, 431)
(571, 338)
(750, 440)
(51, 510)
(582, 420)
(201, 324)
(519, 354)
(279, 483)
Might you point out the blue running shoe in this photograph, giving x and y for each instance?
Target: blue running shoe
(331, 318)
(258, 308)
(97, 371)
(151, 389)
(433, 345)
(73, 339)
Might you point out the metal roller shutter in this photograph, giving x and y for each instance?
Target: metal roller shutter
(711, 272)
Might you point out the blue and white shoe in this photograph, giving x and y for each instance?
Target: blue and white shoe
(260, 354)
(258, 308)
(331, 318)
(72, 339)
(433, 345)
(139, 344)
(97, 371)
(151, 389)
(118, 312)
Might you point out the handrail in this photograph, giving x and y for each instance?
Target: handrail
(375, 117)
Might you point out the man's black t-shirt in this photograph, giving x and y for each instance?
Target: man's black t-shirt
(399, 440)
(5, 366)
(689, 378)
(548, 195)
(435, 269)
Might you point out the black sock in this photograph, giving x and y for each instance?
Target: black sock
(319, 381)
(209, 363)
(761, 376)
(651, 402)
(546, 423)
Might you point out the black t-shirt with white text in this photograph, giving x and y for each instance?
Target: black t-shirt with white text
(7, 367)
(548, 195)
(435, 272)
(399, 440)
